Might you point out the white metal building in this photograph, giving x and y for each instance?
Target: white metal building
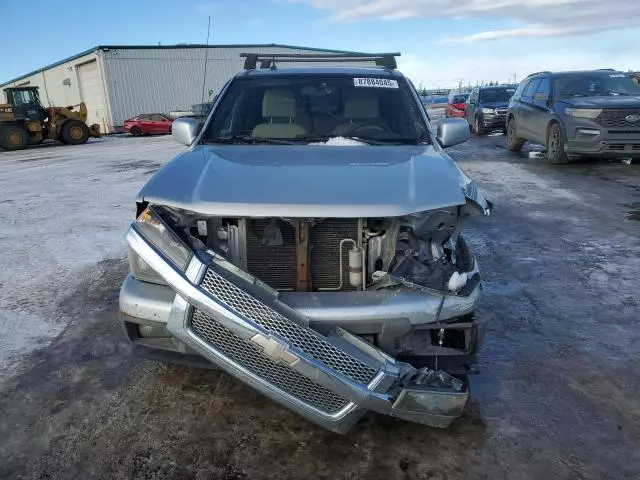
(119, 82)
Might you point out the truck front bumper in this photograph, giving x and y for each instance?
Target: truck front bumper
(494, 121)
(215, 311)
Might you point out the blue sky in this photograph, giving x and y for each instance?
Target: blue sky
(442, 41)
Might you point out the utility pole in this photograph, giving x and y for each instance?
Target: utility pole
(206, 58)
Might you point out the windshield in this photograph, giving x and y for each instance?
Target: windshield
(460, 98)
(24, 97)
(311, 108)
(497, 94)
(595, 84)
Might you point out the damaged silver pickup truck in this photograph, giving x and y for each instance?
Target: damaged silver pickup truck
(309, 243)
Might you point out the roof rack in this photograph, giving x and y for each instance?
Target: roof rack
(267, 60)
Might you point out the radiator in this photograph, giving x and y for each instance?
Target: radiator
(276, 265)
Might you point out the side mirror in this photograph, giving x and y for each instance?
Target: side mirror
(185, 130)
(452, 131)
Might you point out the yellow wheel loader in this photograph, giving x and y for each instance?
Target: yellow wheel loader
(24, 121)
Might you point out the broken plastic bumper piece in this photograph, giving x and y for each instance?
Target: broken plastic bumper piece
(237, 322)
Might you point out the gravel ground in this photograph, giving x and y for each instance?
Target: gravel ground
(559, 385)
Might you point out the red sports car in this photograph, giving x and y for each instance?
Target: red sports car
(456, 104)
(148, 123)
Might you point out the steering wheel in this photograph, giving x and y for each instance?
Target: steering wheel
(355, 127)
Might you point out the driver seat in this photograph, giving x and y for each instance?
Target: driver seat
(279, 106)
(361, 108)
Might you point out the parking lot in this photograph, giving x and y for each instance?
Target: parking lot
(558, 394)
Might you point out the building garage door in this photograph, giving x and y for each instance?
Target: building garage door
(92, 94)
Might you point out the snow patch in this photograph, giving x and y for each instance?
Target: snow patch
(340, 142)
(62, 210)
(457, 281)
(20, 333)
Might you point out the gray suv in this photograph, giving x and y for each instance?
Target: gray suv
(309, 243)
(575, 114)
(486, 108)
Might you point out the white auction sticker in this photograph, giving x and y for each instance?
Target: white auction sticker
(375, 82)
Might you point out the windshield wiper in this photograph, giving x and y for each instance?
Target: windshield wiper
(249, 140)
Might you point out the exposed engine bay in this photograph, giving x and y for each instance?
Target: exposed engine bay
(418, 251)
(372, 302)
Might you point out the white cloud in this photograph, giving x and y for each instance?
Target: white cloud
(537, 18)
(490, 67)
(537, 31)
(208, 8)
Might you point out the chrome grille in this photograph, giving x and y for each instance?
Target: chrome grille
(616, 117)
(501, 111)
(251, 357)
(309, 342)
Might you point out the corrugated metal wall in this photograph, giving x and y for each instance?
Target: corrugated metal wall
(169, 79)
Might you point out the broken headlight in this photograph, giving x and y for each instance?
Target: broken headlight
(155, 231)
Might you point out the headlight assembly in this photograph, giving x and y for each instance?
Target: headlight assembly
(141, 270)
(488, 110)
(583, 112)
(153, 229)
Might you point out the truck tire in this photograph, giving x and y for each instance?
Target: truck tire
(74, 132)
(514, 144)
(555, 145)
(13, 137)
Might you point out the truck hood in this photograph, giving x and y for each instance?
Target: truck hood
(608, 101)
(311, 181)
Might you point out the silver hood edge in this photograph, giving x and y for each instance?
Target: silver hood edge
(298, 181)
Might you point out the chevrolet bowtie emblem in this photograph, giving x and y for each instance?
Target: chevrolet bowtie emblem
(274, 350)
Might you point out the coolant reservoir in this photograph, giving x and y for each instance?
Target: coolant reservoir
(355, 267)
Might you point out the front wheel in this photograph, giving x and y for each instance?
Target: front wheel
(555, 146)
(136, 132)
(477, 127)
(74, 132)
(514, 144)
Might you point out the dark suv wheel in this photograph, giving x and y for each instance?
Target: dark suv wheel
(555, 145)
(514, 144)
(477, 127)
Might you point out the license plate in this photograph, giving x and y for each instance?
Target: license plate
(375, 82)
